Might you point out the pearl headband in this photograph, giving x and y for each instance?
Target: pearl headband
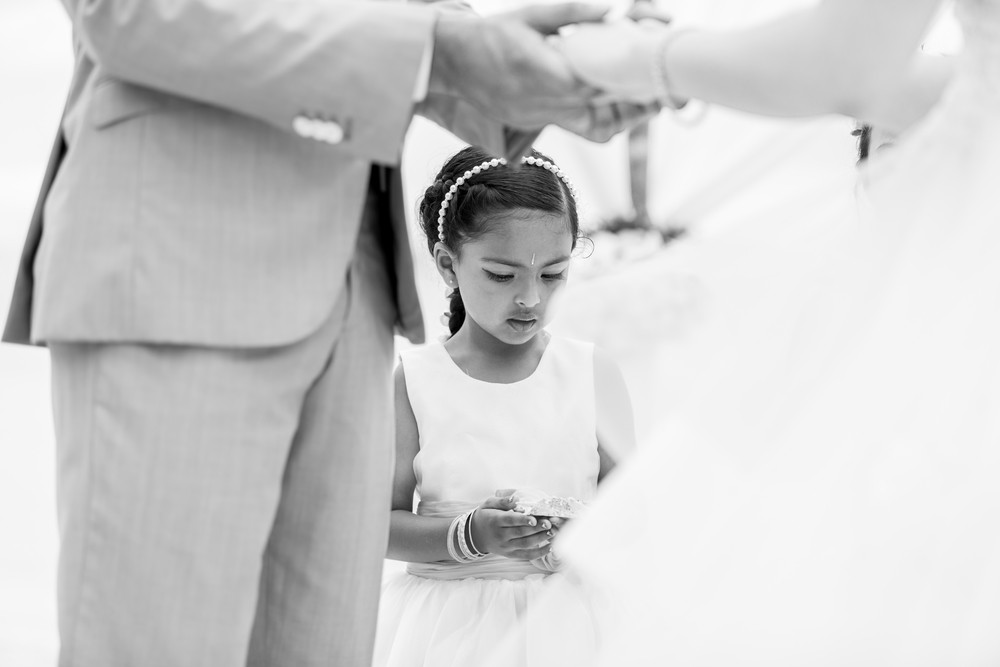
(495, 162)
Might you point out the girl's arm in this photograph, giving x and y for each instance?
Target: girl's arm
(422, 539)
(615, 422)
(412, 538)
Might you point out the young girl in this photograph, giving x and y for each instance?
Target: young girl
(499, 413)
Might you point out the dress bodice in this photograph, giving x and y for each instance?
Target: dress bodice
(477, 437)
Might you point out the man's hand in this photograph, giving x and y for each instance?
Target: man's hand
(617, 57)
(549, 19)
(505, 68)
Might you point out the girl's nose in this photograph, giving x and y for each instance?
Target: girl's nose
(528, 296)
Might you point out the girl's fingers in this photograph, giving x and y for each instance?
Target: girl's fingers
(531, 526)
(535, 541)
(558, 522)
(513, 519)
(528, 554)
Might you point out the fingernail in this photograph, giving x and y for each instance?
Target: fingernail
(550, 533)
(531, 521)
(546, 525)
(544, 544)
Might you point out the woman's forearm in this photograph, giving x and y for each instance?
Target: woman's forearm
(907, 102)
(837, 57)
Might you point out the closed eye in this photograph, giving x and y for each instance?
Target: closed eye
(498, 277)
(554, 276)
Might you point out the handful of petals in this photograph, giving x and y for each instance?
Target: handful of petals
(537, 503)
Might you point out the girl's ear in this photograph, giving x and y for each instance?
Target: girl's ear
(445, 261)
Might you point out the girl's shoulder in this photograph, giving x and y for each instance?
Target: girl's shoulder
(431, 353)
(422, 361)
(571, 350)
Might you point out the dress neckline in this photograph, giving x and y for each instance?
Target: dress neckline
(541, 360)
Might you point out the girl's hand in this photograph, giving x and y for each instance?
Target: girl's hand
(497, 529)
(557, 523)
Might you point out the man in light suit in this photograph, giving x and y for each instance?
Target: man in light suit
(217, 262)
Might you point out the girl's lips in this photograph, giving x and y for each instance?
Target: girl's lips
(521, 324)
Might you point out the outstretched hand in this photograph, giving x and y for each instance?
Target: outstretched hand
(505, 67)
(617, 57)
(498, 529)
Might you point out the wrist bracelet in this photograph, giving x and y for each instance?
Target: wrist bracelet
(472, 544)
(660, 77)
(467, 554)
(451, 539)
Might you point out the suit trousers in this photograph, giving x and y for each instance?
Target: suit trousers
(228, 507)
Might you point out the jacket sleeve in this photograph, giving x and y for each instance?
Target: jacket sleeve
(351, 62)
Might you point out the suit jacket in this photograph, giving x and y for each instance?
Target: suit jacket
(212, 165)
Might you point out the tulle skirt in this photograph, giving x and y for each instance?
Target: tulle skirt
(426, 622)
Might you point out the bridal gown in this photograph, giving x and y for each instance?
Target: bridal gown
(840, 506)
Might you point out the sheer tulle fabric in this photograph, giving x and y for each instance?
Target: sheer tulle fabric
(839, 506)
(463, 622)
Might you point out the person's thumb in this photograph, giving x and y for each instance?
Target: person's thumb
(503, 499)
(648, 11)
(547, 19)
(496, 503)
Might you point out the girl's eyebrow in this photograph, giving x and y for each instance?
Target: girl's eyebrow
(517, 265)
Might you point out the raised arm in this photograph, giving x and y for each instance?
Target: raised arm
(356, 62)
(839, 56)
(912, 96)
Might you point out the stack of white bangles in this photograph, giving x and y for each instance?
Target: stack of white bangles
(461, 548)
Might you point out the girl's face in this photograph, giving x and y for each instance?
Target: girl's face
(508, 275)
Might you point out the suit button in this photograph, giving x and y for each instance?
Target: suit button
(332, 132)
(304, 126)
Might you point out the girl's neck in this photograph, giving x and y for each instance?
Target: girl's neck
(484, 357)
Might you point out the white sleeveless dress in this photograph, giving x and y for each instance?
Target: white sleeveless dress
(844, 509)
(475, 438)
